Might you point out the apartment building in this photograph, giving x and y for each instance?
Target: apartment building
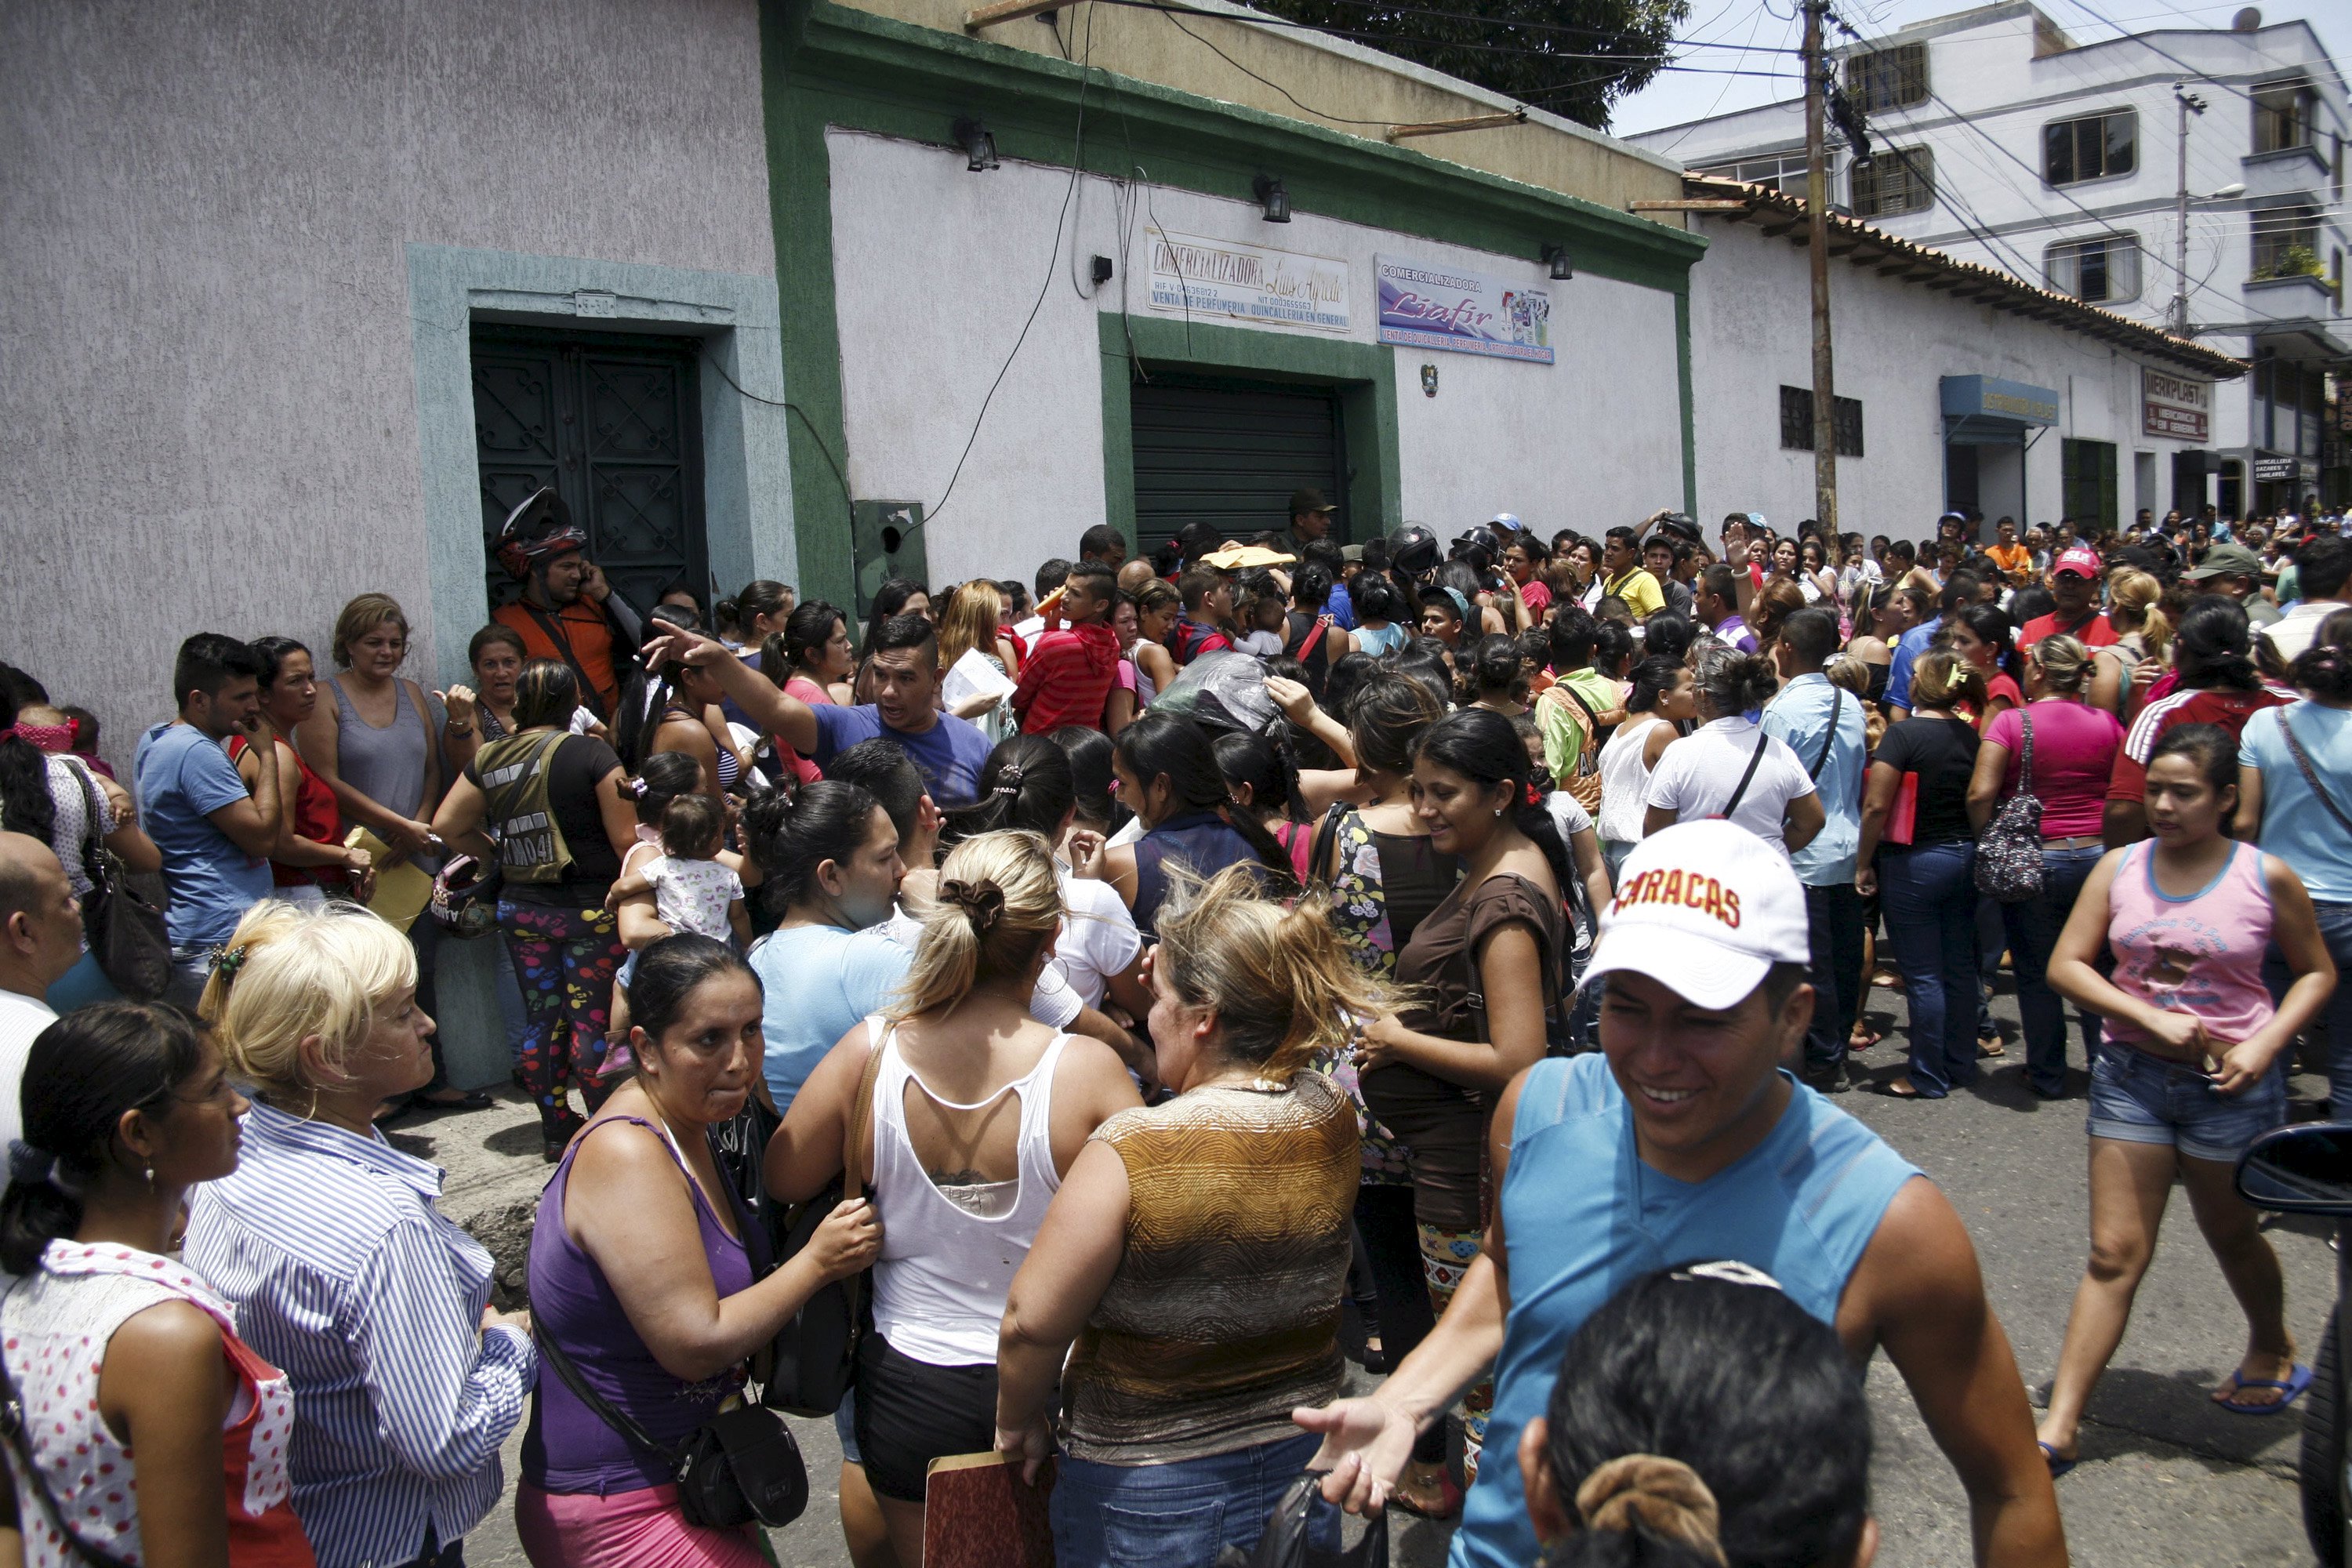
(1999, 138)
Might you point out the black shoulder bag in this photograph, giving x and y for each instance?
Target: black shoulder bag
(815, 1355)
(1283, 1543)
(740, 1467)
(125, 931)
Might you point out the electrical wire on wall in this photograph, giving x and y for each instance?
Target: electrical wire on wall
(789, 406)
(1053, 261)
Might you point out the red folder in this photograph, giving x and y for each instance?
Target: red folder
(1903, 816)
(978, 1513)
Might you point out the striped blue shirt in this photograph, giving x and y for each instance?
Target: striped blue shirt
(347, 1279)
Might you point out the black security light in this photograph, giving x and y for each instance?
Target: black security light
(1555, 257)
(1272, 199)
(979, 146)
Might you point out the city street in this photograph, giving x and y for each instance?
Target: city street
(2166, 1477)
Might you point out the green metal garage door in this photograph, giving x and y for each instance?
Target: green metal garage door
(1230, 453)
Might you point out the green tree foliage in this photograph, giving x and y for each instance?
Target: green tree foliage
(1573, 57)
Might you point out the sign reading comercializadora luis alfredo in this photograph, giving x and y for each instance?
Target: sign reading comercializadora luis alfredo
(1461, 311)
(1251, 283)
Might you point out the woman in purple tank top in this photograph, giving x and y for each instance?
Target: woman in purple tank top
(644, 1273)
(2189, 1072)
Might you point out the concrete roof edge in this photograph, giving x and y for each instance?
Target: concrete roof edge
(1366, 54)
(2084, 318)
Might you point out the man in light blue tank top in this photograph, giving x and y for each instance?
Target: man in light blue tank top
(1684, 1138)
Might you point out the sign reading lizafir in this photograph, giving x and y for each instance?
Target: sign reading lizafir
(1462, 312)
(1253, 283)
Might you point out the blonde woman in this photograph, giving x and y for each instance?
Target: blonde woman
(1197, 1250)
(378, 748)
(2143, 646)
(976, 665)
(345, 1272)
(978, 1112)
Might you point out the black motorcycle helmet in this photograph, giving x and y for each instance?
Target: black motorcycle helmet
(1479, 545)
(1413, 550)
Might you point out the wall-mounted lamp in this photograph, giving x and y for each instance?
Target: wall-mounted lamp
(979, 146)
(1272, 199)
(1102, 270)
(1555, 258)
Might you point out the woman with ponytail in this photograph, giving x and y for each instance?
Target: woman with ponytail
(128, 1106)
(2143, 646)
(1198, 1249)
(1030, 785)
(1490, 961)
(2212, 657)
(811, 658)
(1702, 1418)
(1262, 780)
(1167, 772)
(677, 708)
(2298, 814)
(978, 1112)
(1730, 767)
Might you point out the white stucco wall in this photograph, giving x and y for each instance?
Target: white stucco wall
(1751, 333)
(936, 269)
(209, 419)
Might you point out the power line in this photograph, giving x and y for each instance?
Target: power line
(1391, 41)
(1386, 7)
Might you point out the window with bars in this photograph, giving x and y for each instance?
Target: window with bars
(2091, 148)
(1899, 180)
(2104, 270)
(1888, 79)
(2286, 243)
(1774, 171)
(2283, 113)
(1797, 422)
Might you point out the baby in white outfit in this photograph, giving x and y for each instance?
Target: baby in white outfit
(693, 890)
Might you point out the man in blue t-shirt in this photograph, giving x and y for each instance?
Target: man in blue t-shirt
(216, 836)
(905, 659)
(1683, 1139)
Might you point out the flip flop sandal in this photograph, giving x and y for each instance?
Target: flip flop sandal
(2058, 1467)
(2296, 1381)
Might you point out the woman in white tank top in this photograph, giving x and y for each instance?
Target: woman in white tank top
(1663, 694)
(977, 1111)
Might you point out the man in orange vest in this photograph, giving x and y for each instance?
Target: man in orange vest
(568, 611)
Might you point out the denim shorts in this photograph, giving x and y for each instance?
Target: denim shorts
(2137, 1098)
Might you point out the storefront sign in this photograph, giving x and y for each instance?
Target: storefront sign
(2175, 408)
(1989, 398)
(1248, 282)
(2271, 470)
(1461, 311)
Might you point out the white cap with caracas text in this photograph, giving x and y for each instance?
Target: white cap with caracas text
(1704, 908)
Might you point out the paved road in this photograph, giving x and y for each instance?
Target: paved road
(2166, 1477)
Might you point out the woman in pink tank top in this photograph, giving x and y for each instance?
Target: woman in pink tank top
(2190, 1069)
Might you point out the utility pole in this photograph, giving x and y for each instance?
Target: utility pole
(2190, 104)
(1817, 215)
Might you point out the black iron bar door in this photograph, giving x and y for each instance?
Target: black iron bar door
(613, 421)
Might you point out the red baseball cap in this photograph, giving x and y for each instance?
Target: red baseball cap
(2081, 560)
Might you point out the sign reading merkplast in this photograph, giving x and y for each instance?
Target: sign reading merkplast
(1461, 311)
(1254, 283)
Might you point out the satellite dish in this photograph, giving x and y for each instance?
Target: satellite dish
(2246, 20)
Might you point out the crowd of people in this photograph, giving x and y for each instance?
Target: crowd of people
(1158, 984)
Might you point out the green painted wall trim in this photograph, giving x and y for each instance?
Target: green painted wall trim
(896, 79)
(800, 194)
(1365, 375)
(1690, 401)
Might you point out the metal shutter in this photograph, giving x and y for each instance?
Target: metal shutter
(1230, 452)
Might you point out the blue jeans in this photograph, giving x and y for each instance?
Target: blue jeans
(1833, 929)
(82, 985)
(1181, 1514)
(191, 965)
(2032, 928)
(2335, 931)
(1929, 898)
